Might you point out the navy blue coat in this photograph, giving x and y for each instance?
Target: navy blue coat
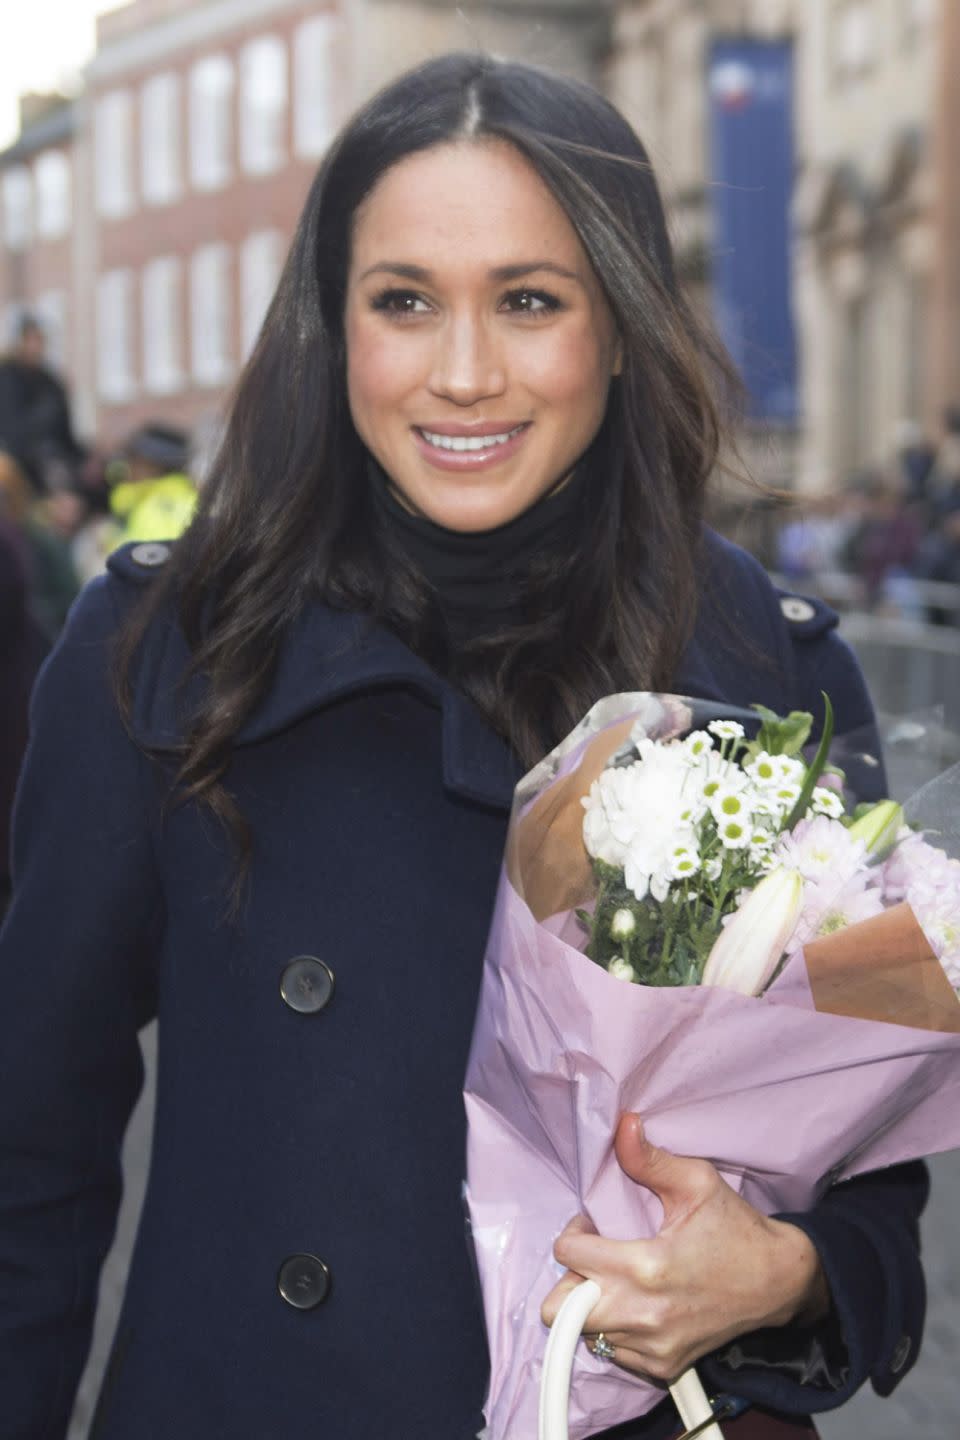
(296, 1121)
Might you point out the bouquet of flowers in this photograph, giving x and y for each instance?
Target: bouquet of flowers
(692, 923)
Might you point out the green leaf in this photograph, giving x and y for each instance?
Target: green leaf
(816, 768)
(780, 734)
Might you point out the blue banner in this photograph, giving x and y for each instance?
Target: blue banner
(751, 179)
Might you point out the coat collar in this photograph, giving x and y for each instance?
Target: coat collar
(327, 656)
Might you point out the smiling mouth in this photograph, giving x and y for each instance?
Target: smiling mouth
(465, 443)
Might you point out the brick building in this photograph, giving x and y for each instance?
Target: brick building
(203, 123)
(37, 197)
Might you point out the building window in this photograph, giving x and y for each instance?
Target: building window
(211, 122)
(260, 263)
(115, 336)
(161, 329)
(17, 207)
(211, 318)
(854, 39)
(315, 84)
(263, 111)
(113, 148)
(51, 178)
(919, 15)
(160, 139)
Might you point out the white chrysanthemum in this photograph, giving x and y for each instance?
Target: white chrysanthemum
(637, 815)
(735, 833)
(697, 744)
(792, 770)
(761, 842)
(621, 969)
(730, 805)
(763, 770)
(685, 862)
(713, 867)
(783, 797)
(726, 729)
(718, 774)
(826, 802)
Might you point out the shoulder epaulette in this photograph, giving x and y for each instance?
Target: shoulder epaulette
(139, 563)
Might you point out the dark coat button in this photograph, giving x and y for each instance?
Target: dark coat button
(304, 1281)
(307, 985)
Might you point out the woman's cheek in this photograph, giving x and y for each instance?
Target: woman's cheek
(568, 370)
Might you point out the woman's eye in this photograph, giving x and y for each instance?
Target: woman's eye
(400, 302)
(531, 302)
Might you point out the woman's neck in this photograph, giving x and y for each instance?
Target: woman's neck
(483, 580)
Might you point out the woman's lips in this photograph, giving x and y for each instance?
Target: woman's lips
(492, 453)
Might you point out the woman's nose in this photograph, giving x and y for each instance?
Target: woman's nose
(468, 365)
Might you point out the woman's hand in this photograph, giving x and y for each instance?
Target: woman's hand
(717, 1269)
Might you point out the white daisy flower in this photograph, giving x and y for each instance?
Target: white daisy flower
(685, 862)
(826, 802)
(735, 833)
(697, 744)
(726, 729)
(729, 805)
(763, 770)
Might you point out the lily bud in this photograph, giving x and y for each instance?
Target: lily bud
(621, 969)
(622, 924)
(748, 950)
(879, 827)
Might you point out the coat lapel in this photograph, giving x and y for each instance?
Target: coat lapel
(328, 656)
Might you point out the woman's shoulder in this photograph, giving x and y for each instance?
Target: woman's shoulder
(744, 613)
(735, 580)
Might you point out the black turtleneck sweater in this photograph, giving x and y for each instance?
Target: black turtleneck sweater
(488, 579)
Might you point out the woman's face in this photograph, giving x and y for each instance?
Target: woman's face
(480, 345)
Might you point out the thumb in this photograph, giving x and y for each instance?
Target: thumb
(667, 1175)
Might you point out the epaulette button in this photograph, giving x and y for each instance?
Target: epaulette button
(796, 609)
(150, 555)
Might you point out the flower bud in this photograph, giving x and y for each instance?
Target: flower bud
(879, 827)
(621, 970)
(749, 947)
(623, 924)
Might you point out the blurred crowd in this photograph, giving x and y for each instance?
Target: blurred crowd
(63, 508)
(889, 540)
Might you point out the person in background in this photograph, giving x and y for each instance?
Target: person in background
(155, 498)
(884, 545)
(46, 526)
(943, 481)
(913, 460)
(35, 424)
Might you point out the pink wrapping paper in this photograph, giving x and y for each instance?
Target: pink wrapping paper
(782, 1098)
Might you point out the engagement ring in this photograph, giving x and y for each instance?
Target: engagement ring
(602, 1348)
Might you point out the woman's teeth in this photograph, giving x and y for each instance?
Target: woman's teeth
(469, 442)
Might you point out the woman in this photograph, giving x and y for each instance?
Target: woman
(459, 499)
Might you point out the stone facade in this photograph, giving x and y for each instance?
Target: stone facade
(873, 255)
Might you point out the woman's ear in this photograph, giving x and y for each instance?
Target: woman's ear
(617, 358)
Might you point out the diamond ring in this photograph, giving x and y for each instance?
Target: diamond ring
(602, 1348)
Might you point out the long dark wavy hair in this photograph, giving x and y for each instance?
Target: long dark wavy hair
(286, 517)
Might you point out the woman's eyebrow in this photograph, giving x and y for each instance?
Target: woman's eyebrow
(499, 272)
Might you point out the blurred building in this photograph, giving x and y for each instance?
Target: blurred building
(204, 121)
(37, 199)
(866, 253)
(796, 141)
